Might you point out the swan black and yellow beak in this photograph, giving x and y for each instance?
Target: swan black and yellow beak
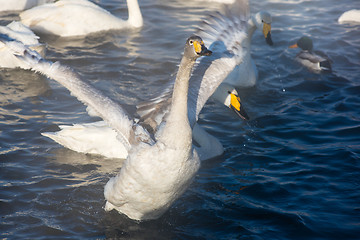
(235, 104)
(267, 33)
(200, 49)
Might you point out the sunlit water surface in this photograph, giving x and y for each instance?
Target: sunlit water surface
(291, 172)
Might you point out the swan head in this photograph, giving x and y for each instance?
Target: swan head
(195, 48)
(305, 43)
(263, 21)
(227, 94)
(234, 103)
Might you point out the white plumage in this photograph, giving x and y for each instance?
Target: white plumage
(244, 74)
(157, 170)
(69, 18)
(17, 31)
(351, 16)
(207, 76)
(19, 5)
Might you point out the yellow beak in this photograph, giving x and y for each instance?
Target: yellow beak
(235, 104)
(201, 49)
(267, 33)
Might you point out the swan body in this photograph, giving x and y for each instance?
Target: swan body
(157, 170)
(351, 16)
(17, 31)
(19, 5)
(68, 18)
(315, 61)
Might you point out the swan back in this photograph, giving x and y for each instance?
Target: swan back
(77, 17)
(351, 16)
(18, 5)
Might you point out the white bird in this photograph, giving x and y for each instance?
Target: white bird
(20, 5)
(17, 31)
(100, 138)
(68, 18)
(351, 16)
(157, 170)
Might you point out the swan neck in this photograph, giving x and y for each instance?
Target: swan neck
(181, 88)
(251, 27)
(177, 131)
(135, 17)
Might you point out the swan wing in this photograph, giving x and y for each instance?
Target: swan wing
(94, 138)
(17, 31)
(223, 32)
(111, 112)
(153, 112)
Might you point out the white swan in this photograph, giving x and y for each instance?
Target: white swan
(99, 138)
(351, 16)
(156, 171)
(19, 5)
(244, 74)
(69, 18)
(17, 31)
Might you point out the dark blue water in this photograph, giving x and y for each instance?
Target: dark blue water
(291, 172)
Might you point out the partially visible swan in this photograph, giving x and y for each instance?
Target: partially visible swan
(17, 31)
(315, 61)
(157, 170)
(351, 16)
(19, 5)
(244, 74)
(68, 18)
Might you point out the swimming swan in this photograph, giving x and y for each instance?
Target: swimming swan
(351, 16)
(17, 31)
(157, 170)
(315, 61)
(67, 18)
(19, 5)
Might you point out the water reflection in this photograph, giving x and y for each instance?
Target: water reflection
(18, 85)
(91, 163)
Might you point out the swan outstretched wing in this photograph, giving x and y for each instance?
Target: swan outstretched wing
(223, 32)
(111, 112)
